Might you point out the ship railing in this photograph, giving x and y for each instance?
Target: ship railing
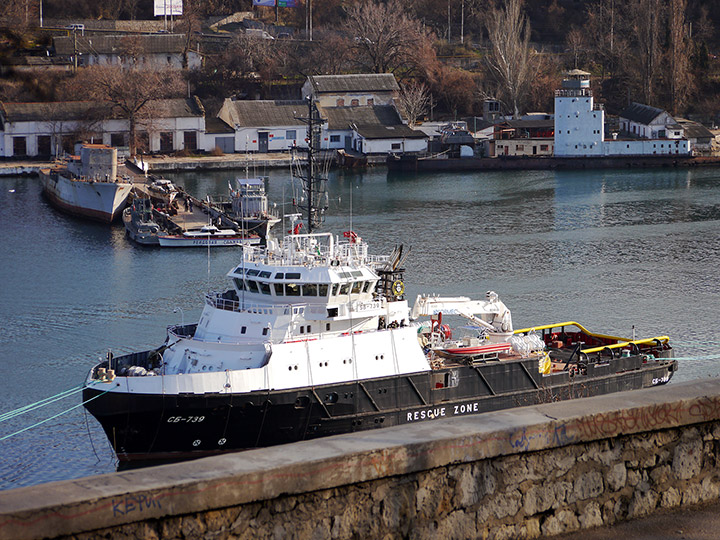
(182, 331)
(217, 301)
(662, 342)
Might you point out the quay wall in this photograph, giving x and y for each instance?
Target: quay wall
(410, 163)
(519, 473)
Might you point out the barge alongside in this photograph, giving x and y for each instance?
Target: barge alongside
(316, 338)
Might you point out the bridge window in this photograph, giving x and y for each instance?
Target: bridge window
(253, 272)
(265, 274)
(252, 286)
(279, 289)
(322, 289)
(292, 275)
(264, 287)
(309, 289)
(344, 288)
(292, 289)
(356, 287)
(335, 288)
(239, 283)
(366, 287)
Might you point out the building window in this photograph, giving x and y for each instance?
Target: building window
(117, 139)
(395, 146)
(355, 103)
(543, 147)
(291, 134)
(370, 101)
(340, 102)
(334, 138)
(520, 147)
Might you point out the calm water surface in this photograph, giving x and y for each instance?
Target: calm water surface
(610, 249)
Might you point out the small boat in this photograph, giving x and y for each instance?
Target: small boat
(208, 235)
(140, 224)
(162, 190)
(87, 185)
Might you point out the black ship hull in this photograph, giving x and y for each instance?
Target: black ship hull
(143, 427)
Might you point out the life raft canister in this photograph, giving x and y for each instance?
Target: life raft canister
(398, 287)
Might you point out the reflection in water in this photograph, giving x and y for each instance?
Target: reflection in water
(611, 249)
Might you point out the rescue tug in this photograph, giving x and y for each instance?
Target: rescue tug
(315, 338)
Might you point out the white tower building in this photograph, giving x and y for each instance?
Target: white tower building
(579, 122)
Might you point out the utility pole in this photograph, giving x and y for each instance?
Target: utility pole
(462, 22)
(75, 51)
(448, 21)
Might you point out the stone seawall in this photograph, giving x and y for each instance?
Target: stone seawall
(520, 473)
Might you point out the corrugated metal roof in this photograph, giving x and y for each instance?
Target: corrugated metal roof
(266, 113)
(83, 110)
(120, 44)
(370, 115)
(390, 132)
(643, 114)
(693, 130)
(372, 122)
(371, 82)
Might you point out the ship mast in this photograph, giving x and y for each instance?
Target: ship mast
(313, 182)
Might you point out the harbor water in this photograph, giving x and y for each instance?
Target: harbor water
(613, 250)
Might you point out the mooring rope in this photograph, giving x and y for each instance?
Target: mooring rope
(41, 422)
(38, 404)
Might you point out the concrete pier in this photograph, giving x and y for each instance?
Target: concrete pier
(519, 473)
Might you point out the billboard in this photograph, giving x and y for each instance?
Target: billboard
(168, 7)
(288, 3)
(269, 3)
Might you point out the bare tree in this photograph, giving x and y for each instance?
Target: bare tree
(190, 23)
(606, 45)
(646, 17)
(129, 91)
(384, 37)
(575, 40)
(414, 101)
(679, 53)
(511, 61)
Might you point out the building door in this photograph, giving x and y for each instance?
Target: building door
(263, 142)
(19, 146)
(190, 140)
(44, 145)
(348, 142)
(225, 144)
(534, 150)
(166, 141)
